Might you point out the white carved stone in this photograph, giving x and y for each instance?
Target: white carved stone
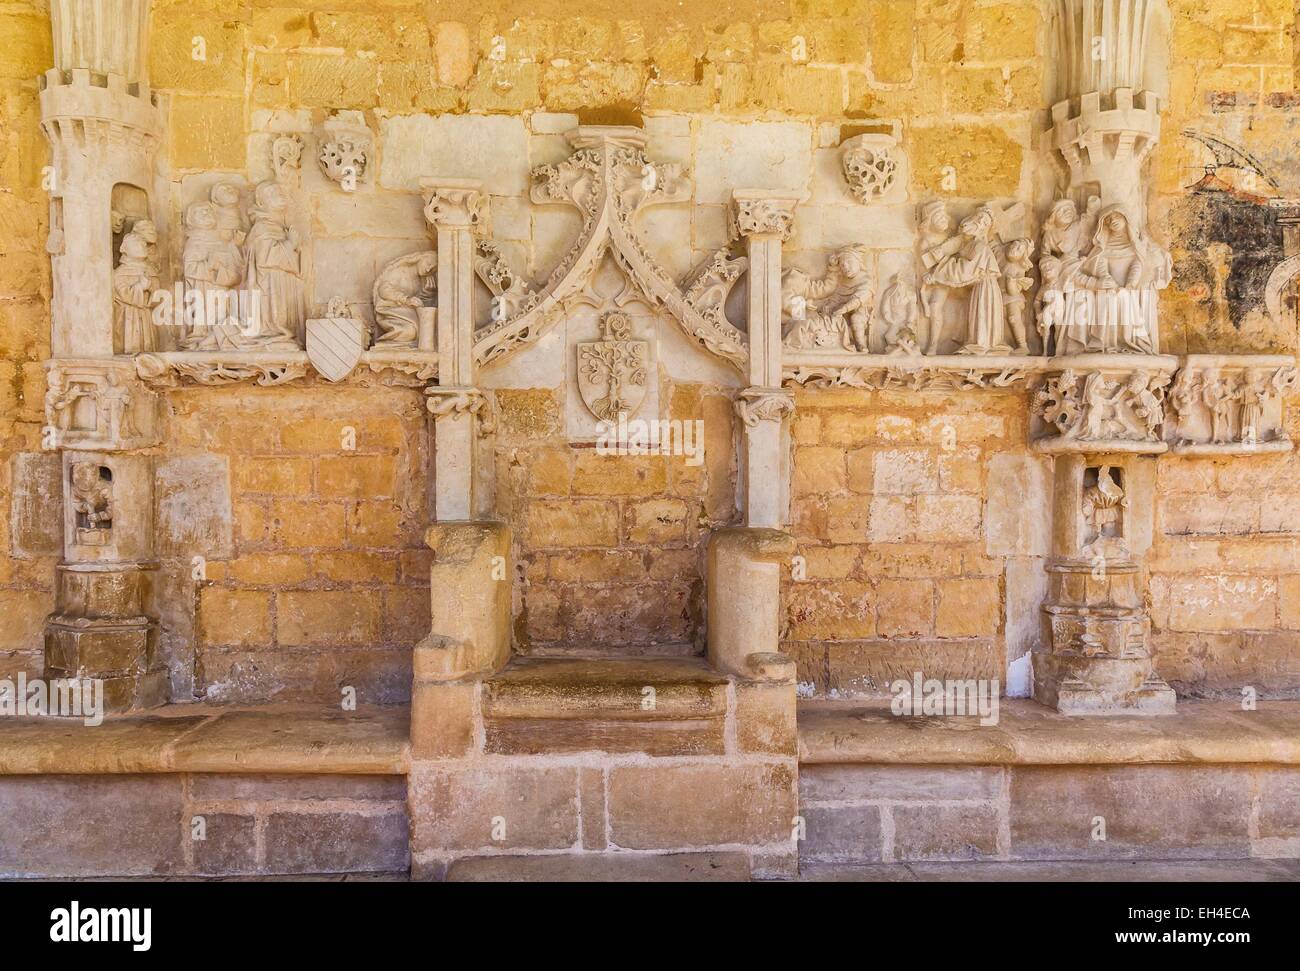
(336, 341)
(1231, 404)
(837, 311)
(403, 297)
(613, 371)
(345, 150)
(870, 166)
(1095, 403)
(97, 404)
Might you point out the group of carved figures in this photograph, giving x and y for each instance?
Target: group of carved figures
(1099, 276)
(243, 282)
(1234, 406)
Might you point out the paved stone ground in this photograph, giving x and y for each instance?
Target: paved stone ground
(725, 867)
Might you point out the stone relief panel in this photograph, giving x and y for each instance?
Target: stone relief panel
(1230, 405)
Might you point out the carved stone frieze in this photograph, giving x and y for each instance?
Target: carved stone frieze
(883, 372)
(1094, 404)
(173, 368)
(1231, 405)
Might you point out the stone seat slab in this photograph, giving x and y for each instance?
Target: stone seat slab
(210, 738)
(1027, 733)
(558, 688)
(654, 706)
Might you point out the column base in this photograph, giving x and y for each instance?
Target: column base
(1077, 685)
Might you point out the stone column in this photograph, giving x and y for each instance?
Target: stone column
(455, 208)
(765, 220)
(104, 128)
(1106, 120)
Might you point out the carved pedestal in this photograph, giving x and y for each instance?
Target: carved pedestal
(1095, 657)
(103, 626)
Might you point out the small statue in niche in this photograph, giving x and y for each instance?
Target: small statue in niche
(936, 244)
(134, 281)
(973, 265)
(1218, 399)
(92, 503)
(404, 286)
(1016, 283)
(213, 267)
(898, 307)
(1104, 503)
(275, 269)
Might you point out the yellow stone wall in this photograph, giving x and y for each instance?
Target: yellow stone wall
(964, 80)
(26, 580)
(611, 547)
(889, 512)
(321, 580)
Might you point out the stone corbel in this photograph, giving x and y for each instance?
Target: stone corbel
(1102, 403)
(98, 404)
(345, 151)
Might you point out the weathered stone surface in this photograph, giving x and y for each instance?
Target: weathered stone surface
(700, 805)
(500, 807)
(336, 842)
(945, 832)
(67, 826)
(842, 834)
(1166, 811)
(887, 783)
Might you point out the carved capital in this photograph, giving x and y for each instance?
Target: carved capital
(756, 212)
(454, 203)
(764, 404)
(452, 401)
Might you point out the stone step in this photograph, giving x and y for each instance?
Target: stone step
(662, 706)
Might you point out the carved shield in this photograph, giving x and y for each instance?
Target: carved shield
(612, 371)
(334, 345)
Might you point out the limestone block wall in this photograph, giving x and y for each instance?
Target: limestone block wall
(308, 510)
(30, 522)
(921, 525)
(611, 547)
(203, 824)
(743, 93)
(1225, 589)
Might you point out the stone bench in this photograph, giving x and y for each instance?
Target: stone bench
(1209, 782)
(194, 789)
